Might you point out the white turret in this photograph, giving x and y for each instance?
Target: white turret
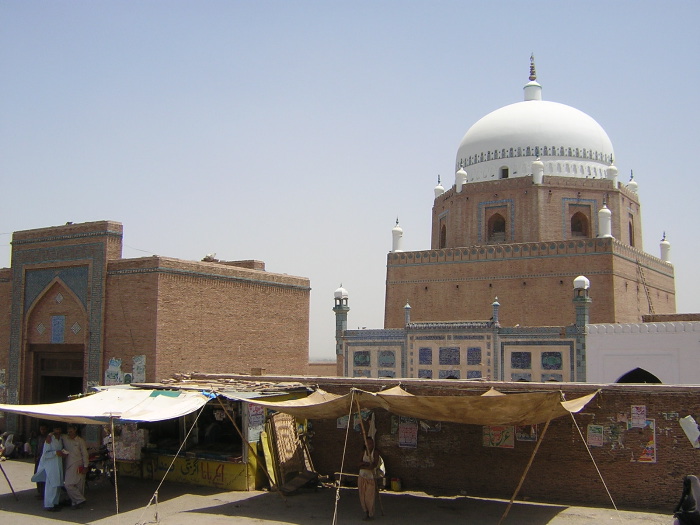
(632, 184)
(397, 236)
(460, 179)
(537, 171)
(439, 190)
(665, 247)
(604, 222)
(611, 173)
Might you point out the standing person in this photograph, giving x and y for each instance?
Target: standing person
(50, 469)
(40, 440)
(366, 481)
(75, 466)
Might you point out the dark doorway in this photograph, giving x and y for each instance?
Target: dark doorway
(58, 372)
(638, 375)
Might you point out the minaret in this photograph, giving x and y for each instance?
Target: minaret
(537, 171)
(632, 184)
(407, 314)
(665, 247)
(397, 237)
(604, 222)
(439, 190)
(341, 310)
(582, 304)
(460, 179)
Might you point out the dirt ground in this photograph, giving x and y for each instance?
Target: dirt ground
(179, 504)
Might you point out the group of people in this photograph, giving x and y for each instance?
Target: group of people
(61, 462)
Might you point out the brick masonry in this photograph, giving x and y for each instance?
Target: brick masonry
(183, 316)
(454, 461)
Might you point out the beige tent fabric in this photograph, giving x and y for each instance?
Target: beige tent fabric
(490, 409)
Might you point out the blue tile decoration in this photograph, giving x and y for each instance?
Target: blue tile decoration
(386, 358)
(552, 361)
(425, 356)
(386, 373)
(75, 278)
(361, 373)
(448, 374)
(58, 329)
(449, 355)
(425, 373)
(521, 360)
(474, 355)
(473, 374)
(87, 274)
(361, 358)
(521, 376)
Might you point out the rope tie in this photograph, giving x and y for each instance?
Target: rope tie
(342, 462)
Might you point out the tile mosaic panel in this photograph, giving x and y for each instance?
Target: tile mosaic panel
(448, 374)
(425, 373)
(387, 358)
(361, 358)
(521, 360)
(474, 355)
(552, 361)
(425, 356)
(449, 355)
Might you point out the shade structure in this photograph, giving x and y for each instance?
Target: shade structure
(122, 405)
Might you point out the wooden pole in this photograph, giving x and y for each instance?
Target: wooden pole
(8, 482)
(527, 468)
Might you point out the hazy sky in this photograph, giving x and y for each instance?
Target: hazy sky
(296, 132)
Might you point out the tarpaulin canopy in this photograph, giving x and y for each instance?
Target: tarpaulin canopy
(123, 405)
(492, 408)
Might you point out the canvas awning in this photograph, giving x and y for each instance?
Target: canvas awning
(492, 408)
(123, 405)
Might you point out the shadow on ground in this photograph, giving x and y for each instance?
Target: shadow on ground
(392, 507)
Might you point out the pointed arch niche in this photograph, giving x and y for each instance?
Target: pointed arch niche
(638, 375)
(56, 332)
(496, 228)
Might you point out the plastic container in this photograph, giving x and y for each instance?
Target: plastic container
(396, 484)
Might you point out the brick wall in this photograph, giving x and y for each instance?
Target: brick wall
(453, 460)
(533, 283)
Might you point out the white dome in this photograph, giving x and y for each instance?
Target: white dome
(582, 283)
(568, 141)
(340, 293)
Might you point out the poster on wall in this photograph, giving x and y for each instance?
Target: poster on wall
(648, 453)
(594, 435)
(526, 432)
(408, 432)
(113, 374)
(638, 416)
(139, 369)
(342, 422)
(499, 436)
(256, 422)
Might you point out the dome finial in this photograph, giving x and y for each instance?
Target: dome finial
(631, 175)
(397, 220)
(533, 73)
(438, 178)
(663, 238)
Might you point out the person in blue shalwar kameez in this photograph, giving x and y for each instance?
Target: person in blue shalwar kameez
(50, 469)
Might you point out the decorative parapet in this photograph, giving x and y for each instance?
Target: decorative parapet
(451, 325)
(643, 328)
(531, 250)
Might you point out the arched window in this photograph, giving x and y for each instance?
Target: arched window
(631, 228)
(497, 228)
(443, 236)
(579, 225)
